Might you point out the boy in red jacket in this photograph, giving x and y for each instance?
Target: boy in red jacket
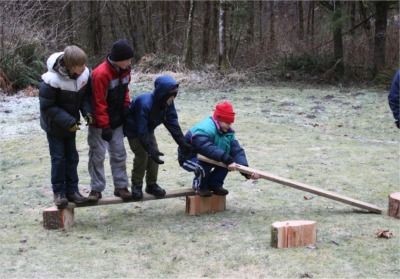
(110, 90)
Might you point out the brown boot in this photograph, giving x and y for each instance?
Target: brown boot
(94, 196)
(123, 193)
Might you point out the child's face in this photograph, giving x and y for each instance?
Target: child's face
(225, 126)
(170, 100)
(78, 70)
(124, 64)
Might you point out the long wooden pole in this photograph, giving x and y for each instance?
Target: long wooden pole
(300, 186)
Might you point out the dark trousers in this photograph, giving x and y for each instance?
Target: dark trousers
(206, 174)
(142, 164)
(64, 164)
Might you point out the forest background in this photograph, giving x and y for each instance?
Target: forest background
(307, 41)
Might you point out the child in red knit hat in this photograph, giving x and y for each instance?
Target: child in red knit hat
(214, 138)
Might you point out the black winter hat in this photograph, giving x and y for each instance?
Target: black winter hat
(121, 50)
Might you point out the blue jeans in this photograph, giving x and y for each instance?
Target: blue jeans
(64, 164)
(206, 174)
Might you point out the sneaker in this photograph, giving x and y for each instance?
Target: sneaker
(155, 190)
(94, 196)
(77, 198)
(60, 200)
(204, 192)
(137, 192)
(220, 191)
(123, 193)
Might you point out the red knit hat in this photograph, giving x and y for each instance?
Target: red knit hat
(224, 113)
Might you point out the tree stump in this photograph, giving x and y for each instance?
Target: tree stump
(394, 205)
(196, 205)
(288, 234)
(54, 218)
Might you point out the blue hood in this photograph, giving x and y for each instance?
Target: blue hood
(162, 85)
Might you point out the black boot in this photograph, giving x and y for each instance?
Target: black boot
(60, 200)
(155, 190)
(137, 193)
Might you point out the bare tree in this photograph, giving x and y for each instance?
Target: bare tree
(206, 30)
(301, 19)
(223, 64)
(380, 35)
(188, 52)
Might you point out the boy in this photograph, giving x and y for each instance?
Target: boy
(62, 96)
(147, 111)
(213, 138)
(110, 99)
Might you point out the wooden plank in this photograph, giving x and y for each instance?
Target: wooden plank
(300, 186)
(146, 197)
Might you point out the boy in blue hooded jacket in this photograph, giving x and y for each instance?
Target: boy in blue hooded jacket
(146, 112)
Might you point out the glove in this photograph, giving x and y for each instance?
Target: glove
(185, 147)
(126, 112)
(106, 134)
(89, 119)
(74, 128)
(155, 155)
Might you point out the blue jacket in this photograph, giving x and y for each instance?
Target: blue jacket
(207, 139)
(149, 110)
(394, 100)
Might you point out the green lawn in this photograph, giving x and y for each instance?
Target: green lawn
(343, 141)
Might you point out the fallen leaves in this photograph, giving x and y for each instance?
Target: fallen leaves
(383, 234)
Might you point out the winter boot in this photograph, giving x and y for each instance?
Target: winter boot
(155, 190)
(123, 193)
(220, 191)
(60, 200)
(204, 192)
(137, 192)
(94, 196)
(77, 198)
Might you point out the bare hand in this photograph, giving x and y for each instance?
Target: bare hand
(255, 176)
(232, 167)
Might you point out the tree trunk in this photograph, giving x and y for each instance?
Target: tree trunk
(272, 39)
(95, 27)
(310, 22)
(301, 20)
(223, 64)
(338, 39)
(380, 36)
(206, 31)
(188, 53)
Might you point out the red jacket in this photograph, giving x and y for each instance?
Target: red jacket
(110, 95)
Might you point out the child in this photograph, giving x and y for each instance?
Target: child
(110, 99)
(147, 111)
(393, 97)
(213, 138)
(62, 95)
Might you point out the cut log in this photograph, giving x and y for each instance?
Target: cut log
(298, 233)
(54, 218)
(394, 205)
(300, 186)
(196, 205)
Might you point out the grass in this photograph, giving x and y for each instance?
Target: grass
(341, 141)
